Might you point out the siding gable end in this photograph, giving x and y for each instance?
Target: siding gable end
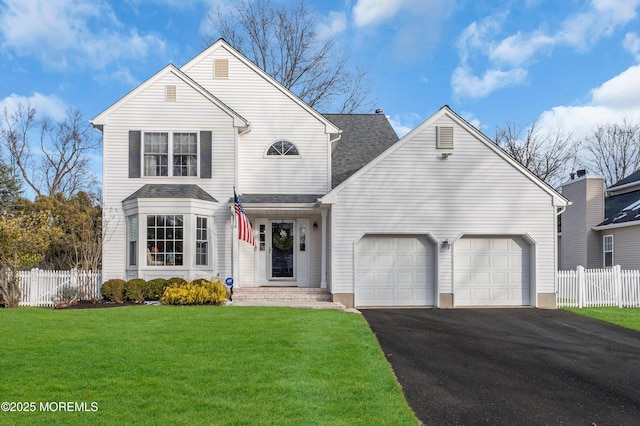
(330, 128)
(101, 119)
(431, 123)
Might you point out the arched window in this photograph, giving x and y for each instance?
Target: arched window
(283, 148)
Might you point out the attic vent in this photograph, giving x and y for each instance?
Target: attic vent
(221, 68)
(444, 137)
(170, 93)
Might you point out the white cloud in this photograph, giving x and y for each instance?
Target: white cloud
(334, 24)
(406, 123)
(518, 49)
(416, 25)
(611, 102)
(466, 84)
(370, 12)
(50, 106)
(632, 45)
(67, 33)
(600, 20)
(509, 55)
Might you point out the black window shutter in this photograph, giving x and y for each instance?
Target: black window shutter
(134, 153)
(205, 154)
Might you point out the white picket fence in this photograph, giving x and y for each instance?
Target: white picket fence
(41, 287)
(598, 287)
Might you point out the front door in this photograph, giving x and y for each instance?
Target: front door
(282, 250)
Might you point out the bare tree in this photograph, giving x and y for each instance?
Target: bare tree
(614, 150)
(50, 157)
(282, 41)
(548, 155)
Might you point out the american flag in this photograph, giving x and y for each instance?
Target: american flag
(245, 233)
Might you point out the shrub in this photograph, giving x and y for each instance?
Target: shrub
(153, 289)
(196, 292)
(176, 280)
(133, 290)
(67, 296)
(113, 290)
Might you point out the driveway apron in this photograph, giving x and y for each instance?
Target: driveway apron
(511, 366)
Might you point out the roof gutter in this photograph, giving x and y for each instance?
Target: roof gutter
(616, 225)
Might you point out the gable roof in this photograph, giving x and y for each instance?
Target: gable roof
(633, 178)
(171, 191)
(364, 137)
(559, 199)
(221, 43)
(238, 120)
(621, 210)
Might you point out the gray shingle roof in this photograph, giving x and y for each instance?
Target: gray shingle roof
(364, 137)
(633, 177)
(277, 198)
(171, 191)
(614, 208)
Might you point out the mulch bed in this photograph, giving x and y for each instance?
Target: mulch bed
(86, 304)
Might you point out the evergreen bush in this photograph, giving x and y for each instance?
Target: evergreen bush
(153, 289)
(113, 290)
(133, 290)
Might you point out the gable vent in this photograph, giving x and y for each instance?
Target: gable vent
(444, 137)
(170, 93)
(220, 68)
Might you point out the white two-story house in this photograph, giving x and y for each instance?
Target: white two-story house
(441, 217)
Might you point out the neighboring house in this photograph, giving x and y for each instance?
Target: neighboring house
(441, 217)
(601, 228)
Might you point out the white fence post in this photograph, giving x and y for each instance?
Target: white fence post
(581, 286)
(599, 287)
(39, 287)
(617, 277)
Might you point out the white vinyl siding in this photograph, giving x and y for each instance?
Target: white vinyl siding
(475, 191)
(273, 118)
(147, 111)
(625, 246)
(581, 245)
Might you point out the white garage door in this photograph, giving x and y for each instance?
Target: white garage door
(491, 271)
(394, 271)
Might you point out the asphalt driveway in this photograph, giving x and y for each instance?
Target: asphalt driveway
(511, 366)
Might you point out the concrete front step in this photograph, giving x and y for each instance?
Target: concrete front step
(281, 294)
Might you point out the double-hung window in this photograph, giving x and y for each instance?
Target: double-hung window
(607, 245)
(180, 150)
(133, 240)
(156, 154)
(201, 241)
(185, 154)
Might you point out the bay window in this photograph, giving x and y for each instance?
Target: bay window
(165, 240)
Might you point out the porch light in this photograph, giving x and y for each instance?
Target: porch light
(446, 245)
(315, 225)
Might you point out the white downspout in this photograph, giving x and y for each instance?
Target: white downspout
(323, 262)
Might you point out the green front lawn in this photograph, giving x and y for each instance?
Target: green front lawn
(625, 317)
(197, 365)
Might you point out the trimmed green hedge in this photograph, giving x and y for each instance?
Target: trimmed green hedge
(174, 291)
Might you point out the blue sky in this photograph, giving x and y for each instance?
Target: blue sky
(569, 64)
